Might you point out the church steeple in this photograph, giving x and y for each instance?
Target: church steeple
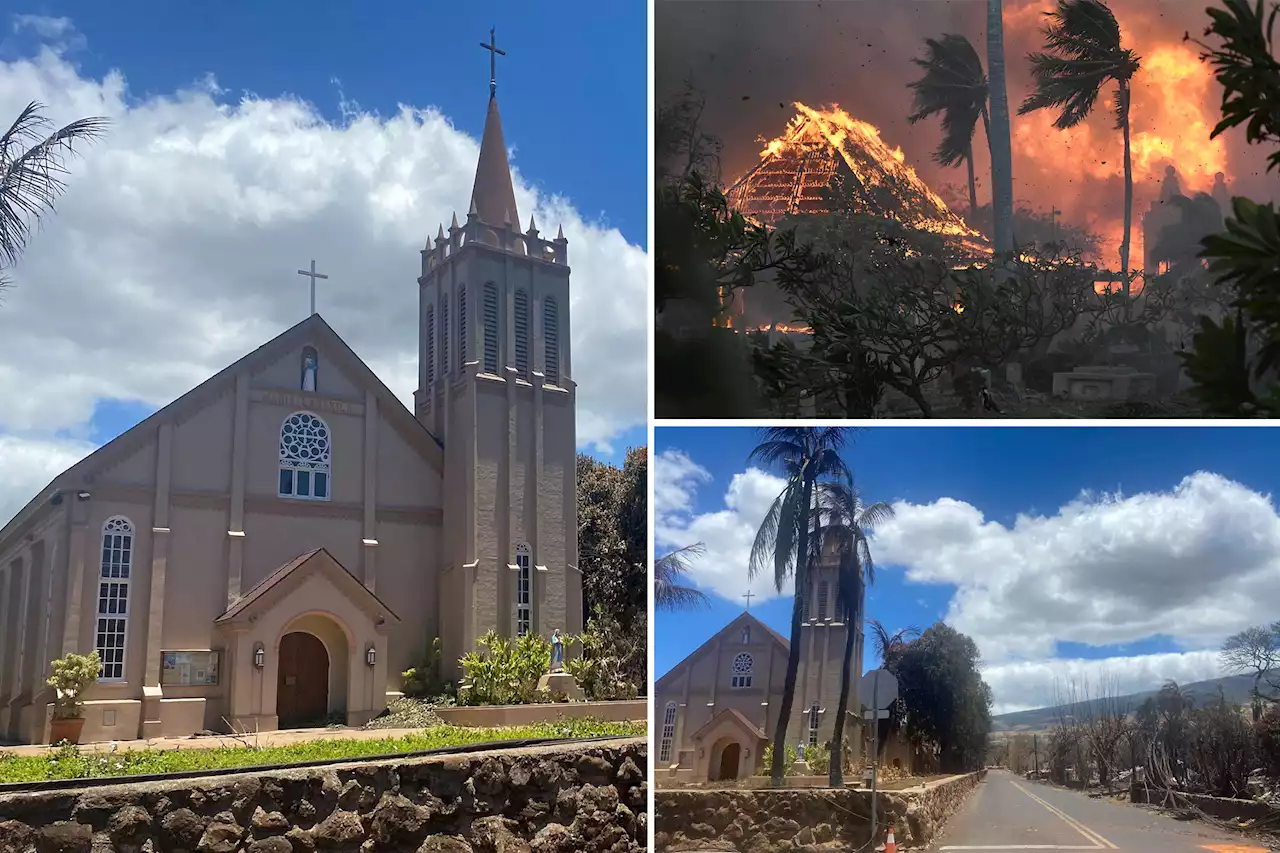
(493, 198)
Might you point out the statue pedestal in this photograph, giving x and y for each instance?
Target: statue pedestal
(801, 768)
(562, 682)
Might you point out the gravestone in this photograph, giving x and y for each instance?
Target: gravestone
(1103, 383)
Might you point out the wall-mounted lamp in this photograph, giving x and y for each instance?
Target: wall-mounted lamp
(371, 656)
(259, 656)
(83, 496)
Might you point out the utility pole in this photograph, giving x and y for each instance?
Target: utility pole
(1035, 749)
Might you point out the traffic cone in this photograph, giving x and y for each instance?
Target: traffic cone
(890, 846)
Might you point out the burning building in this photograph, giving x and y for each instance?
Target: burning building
(821, 145)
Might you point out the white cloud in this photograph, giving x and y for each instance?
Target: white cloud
(29, 465)
(727, 534)
(1043, 683)
(174, 249)
(1193, 564)
(1196, 564)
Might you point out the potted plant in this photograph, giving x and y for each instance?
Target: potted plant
(72, 674)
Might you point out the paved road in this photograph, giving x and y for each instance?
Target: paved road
(1007, 812)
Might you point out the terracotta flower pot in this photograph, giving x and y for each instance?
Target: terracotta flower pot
(68, 729)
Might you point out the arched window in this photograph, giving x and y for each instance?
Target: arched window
(668, 733)
(310, 369)
(823, 589)
(113, 596)
(444, 336)
(551, 339)
(813, 724)
(431, 345)
(746, 635)
(491, 328)
(522, 333)
(304, 457)
(462, 326)
(743, 666)
(806, 612)
(524, 590)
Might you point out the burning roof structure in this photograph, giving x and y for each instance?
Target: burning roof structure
(820, 145)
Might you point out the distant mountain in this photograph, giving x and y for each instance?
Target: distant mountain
(1235, 687)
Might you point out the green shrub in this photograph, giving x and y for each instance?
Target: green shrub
(423, 681)
(789, 760)
(506, 672)
(819, 758)
(72, 675)
(607, 653)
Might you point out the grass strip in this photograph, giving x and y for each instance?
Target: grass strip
(69, 762)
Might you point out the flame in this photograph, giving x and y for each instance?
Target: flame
(1173, 109)
(795, 166)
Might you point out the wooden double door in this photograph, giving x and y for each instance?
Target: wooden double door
(302, 687)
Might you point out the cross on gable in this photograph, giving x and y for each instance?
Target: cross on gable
(750, 595)
(313, 275)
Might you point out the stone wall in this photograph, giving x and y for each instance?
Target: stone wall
(555, 799)
(1220, 807)
(762, 821)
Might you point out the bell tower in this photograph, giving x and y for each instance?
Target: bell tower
(823, 634)
(495, 387)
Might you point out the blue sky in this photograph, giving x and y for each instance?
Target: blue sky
(248, 138)
(1124, 553)
(573, 81)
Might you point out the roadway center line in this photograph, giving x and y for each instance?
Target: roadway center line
(1079, 827)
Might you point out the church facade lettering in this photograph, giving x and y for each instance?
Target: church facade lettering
(311, 402)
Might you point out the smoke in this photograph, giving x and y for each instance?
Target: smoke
(753, 58)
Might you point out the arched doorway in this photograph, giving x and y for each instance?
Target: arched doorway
(302, 687)
(730, 758)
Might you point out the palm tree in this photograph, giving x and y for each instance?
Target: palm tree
(1084, 52)
(807, 456)
(890, 648)
(955, 86)
(33, 163)
(845, 523)
(999, 134)
(670, 575)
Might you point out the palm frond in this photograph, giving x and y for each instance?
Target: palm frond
(670, 591)
(955, 87)
(1083, 52)
(33, 163)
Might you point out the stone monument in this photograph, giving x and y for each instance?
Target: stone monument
(801, 767)
(1103, 383)
(557, 680)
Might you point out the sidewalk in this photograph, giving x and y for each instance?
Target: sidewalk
(282, 737)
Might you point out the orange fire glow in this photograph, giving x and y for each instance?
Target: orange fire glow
(1173, 109)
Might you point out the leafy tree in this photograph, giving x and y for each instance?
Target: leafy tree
(874, 287)
(809, 458)
(843, 523)
(889, 648)
(33, 168)
(955, 87)
(999, 136)
(670, 572)
(1256, 651)
(613, 537)
(1244, 259)
(1084, 52)
(949, 703)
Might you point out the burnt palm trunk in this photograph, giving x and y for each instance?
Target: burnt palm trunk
(835, 775)
(998, 131)
(778, 770)
(973, 190)
(1128, 196)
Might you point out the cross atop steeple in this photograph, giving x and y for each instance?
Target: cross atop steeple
(494, 53)
(750, 595)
